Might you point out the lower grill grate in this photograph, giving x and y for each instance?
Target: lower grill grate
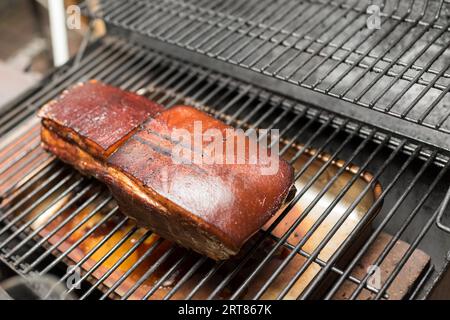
(54, 221)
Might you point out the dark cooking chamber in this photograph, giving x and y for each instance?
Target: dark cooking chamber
(363, 117)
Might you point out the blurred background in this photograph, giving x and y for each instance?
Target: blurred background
(26, 51)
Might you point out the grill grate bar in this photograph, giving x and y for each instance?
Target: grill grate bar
(325, 214)
(116, 246)
(315, 53)
(391, 185)
(185, 29)
(382, 196)
(38, 172)
(391, 64)
(306, 211)
(86, 235)
(34, 219)
(19, 157)
(119, 262)
(185, 278)
(420, 74)
(9, 150)
(294, 44)
(325, 48)
(66, 236)
(173, 24)
(242, 105)
(284, 32)
(400, 231)
(148, 273)
(383, 224)
(357, 79)
(92, 251)
(36, 154)
(50, 220)
(286, 210)
(336, 270)
(23, 200)
(407, 255)
(42, 241)
(401, 75)
(132, 269)
(169, 272)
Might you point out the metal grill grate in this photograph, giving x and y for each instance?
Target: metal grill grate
(401, 71)
(46, 206)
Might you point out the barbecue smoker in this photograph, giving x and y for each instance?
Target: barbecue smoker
(364, 118)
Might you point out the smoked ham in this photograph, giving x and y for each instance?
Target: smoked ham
(128, 142)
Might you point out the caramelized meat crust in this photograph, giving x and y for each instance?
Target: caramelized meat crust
(96, 116)
(232, 200)
(212, 208)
